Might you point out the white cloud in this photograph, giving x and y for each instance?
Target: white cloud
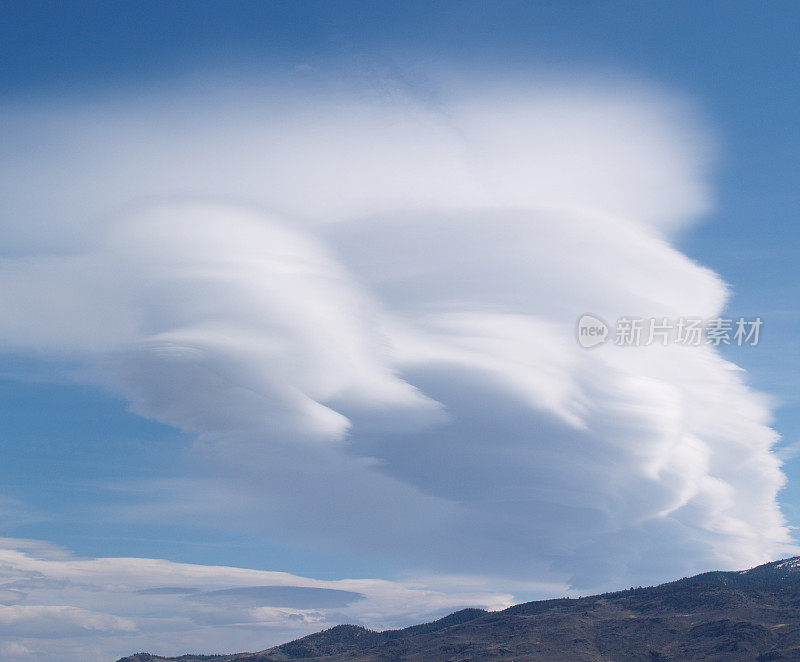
(320, 152)
(90, 610)
(57, 620)
(363, 310)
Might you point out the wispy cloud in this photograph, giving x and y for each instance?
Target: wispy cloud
(93, 609)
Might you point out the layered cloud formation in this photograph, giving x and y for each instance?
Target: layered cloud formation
(56, 606)
(361, 305)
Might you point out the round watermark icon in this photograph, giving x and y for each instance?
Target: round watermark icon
(591, 330)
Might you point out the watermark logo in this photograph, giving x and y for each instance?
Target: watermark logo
(591, 330)
(690, 331)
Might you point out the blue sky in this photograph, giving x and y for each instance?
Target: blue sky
(96, 465)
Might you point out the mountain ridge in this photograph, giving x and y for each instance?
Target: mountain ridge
(719, 615)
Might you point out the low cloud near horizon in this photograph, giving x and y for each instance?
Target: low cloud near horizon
(54, 605)
(361, 307)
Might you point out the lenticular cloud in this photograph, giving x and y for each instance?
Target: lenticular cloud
(362, 307)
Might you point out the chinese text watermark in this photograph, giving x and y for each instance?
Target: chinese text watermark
(689, 331)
